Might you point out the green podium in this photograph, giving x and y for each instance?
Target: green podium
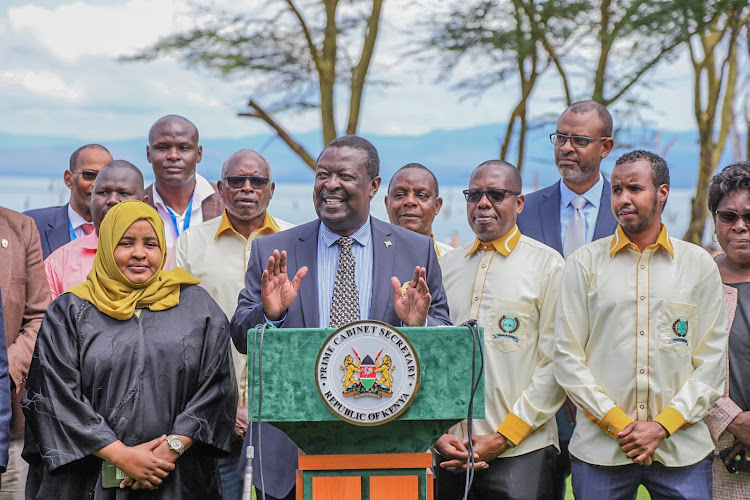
(346, 460)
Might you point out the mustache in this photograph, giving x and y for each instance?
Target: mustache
(567, 156)
(336, 192)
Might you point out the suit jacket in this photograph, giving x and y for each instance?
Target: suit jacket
(5, 402)
(211, 206)
(53, 226)
(25, 296)
(405, 251)
(540, 218)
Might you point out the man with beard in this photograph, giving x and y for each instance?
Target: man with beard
(573, 211)
(60, 225)
(356, 265)
(217, 252)
(640, 337)
(413, 201)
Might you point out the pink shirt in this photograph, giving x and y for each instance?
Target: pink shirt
(69, 265)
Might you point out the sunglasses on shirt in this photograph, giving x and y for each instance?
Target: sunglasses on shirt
(729, 217)
(238, 181)
(494, 195)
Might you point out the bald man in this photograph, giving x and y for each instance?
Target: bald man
(180, 195)
(69, 265)
(217, 252)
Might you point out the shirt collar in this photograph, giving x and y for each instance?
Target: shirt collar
(269, 225)
(75, 218)
(593, 195)
(203, 189)
(620, 240)
(361, 235)
(505, 244)
(434, 243)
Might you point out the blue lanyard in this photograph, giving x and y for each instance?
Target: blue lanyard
(186, 224)
(73, 234)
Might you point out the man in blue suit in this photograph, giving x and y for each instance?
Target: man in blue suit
(573, 211)
(294, 277)
(59, 225)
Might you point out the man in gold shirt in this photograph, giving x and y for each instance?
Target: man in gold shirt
(508, 283)
(217, 252)
(640, 338)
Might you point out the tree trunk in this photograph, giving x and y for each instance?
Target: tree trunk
(360, 71)
(327, 74)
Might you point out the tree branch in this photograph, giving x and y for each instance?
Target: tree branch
(359, 72)
(305, 30)
(261, 114)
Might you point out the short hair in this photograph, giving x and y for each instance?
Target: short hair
(583, 107)
(225, 165)
(733, 177)
(124, 164)
(416, 166)
(515, 175)
(362, 144)
(174, 117)
(659, 168)
(77, 153)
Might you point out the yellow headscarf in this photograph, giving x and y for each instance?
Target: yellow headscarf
(107, 288)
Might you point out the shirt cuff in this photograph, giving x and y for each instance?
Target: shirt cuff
(670, 419)
(276, 323)
(515, 429)
(614, 421)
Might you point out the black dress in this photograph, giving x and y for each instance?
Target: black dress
(95, 379)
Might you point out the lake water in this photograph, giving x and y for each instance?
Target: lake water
(293, 202)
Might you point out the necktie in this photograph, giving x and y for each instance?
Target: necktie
(345, 299)
(575, 237)
(88, 228)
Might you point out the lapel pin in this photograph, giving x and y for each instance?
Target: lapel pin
(5, 243)
(387, 243)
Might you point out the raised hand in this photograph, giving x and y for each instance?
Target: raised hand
(413, 305)
(277, 292)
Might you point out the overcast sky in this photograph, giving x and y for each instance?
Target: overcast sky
(59, 76)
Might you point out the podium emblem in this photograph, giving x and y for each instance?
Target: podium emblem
(367, 373)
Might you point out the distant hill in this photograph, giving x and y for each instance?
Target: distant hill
(451, 154)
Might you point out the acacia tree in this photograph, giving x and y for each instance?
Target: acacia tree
(296, 53)
(714, 56)
(499, 41)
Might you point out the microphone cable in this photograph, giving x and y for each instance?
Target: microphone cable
(477, 342)
(247, 489)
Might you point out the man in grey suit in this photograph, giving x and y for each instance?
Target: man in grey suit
(60, 225)
(573, 211)
(292, 279)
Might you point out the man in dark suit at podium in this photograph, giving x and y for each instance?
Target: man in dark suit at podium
(573, 211)
(356, 265)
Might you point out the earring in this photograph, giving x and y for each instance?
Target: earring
(714, 238)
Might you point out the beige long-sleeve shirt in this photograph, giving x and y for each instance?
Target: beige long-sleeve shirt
(510, 286)
(641, 336)
(217, 254)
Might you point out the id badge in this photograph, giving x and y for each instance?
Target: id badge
(111, 475)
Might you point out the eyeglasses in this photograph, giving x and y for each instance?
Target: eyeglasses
(494, 195)
(238, 181)
(577, 141)
(88, 175)
(729, 217)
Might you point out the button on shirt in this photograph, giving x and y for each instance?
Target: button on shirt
(328, 263)
(510, 286)
(641, 336)
(590, 210)
(217, 254)
(203, 190)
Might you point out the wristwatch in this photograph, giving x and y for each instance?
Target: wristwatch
(175, 444)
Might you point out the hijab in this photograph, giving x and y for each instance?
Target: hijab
(108, 289)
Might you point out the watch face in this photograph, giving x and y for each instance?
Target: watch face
(175, 444)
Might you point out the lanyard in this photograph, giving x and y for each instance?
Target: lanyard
(73, 234)
(186, 224)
